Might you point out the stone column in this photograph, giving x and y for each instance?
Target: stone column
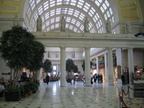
(106, 67)
(110, 67)
(131, 71)
(119, 64)
(62, 67)
(130, 65)
(87, 66)
(57, 68)
(97, 64)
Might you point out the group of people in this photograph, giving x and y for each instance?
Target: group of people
(96, 77)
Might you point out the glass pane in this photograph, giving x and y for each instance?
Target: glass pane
(67, 25)
(107, 3)
(52, 27)
(78, 23)
(75, 29)
(101, 8)
(57, 25)
(100, 1)
(71, 27)
(104, 6)
(37, 1)
(57, 19)
(97, 3)
(111, 12)
(46, 5)
(47, 23)
(73, 21)
(68, 19)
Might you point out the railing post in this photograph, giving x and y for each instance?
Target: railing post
(131, 91)
(120, 103)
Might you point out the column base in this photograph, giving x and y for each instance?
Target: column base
(131, 92)
(110, 84)
(88, 85)
(119, 81)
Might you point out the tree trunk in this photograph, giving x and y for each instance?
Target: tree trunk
(15, 80)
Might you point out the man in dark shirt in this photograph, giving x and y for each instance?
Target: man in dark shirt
(47, 79)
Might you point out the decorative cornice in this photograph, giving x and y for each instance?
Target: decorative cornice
(124, 23)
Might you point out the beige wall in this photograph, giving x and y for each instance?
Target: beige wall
(138, 56)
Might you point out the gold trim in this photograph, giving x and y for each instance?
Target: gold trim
(130, 10)
(16, 0)
(15, 5)
(133, 3)
(0, 5)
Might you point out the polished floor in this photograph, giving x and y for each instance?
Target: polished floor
(99, 95)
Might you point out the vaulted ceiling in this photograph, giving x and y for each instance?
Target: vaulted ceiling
(74, 11)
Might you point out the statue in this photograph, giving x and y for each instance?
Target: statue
(139, 34)
(86, 25)
(16, 21)
(63, 22)
(39, 23)
(108, 26)
(128, 27)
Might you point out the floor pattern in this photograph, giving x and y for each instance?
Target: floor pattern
(99, 95)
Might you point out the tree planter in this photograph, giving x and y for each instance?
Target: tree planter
(31, 92)
(1, 94)
(34, 91)
(12, 96)
(26, 95)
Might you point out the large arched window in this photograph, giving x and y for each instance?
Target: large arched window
(74, 11)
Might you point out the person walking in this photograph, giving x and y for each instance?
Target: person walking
(47, 79)
(123, 79)
(91, 78)
(95, 77)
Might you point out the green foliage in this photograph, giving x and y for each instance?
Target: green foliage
(14, 89)
(47, 66)
(83, 65)
(15, 46)
(36, 61)
(68, 80)
(27, 87)
(75, 68)
(20, 49)
(31, 86)
(69, 65)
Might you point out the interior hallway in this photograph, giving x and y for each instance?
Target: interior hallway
(72, 96)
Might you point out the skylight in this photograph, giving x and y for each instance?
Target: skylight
(74, 12)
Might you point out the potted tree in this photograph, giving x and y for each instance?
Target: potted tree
(69, 68)
(20, 49)
(47, 67)
(13, 94)
(83, 65)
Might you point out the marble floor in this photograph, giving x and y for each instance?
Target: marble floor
(99, 95)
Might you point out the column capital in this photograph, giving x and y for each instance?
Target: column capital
(87, 47)
(131, 48)
(109, 48)
(62, 47)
